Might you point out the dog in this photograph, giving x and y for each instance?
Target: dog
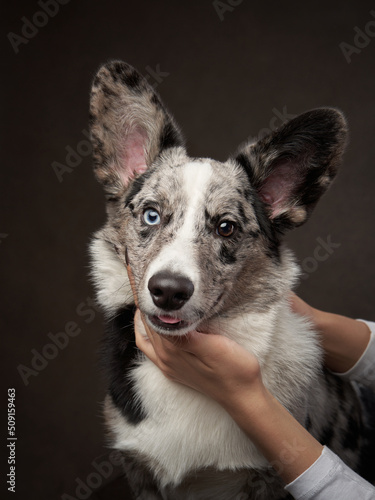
(204, 242)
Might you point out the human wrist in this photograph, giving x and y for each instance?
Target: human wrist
(285, 443)
(247, 404)
(343, 339)
(319, 319)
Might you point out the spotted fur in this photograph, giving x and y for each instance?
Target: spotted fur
(218, 228)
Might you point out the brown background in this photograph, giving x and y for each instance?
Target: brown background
(224, 79)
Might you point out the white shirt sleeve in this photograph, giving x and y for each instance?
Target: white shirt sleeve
(363, 372)
(329, 478)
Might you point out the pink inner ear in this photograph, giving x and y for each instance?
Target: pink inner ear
(133, 161)
(278, 188)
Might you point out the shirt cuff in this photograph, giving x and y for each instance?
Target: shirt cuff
(314, 477)
(364, 370)
(328, 477)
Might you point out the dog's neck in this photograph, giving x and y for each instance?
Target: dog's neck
(284, 343)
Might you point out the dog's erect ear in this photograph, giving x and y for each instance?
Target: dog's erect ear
(292, 167)
(129, 126)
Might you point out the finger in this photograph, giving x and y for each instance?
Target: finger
(195, 349)
(294, 300)
(141, 324)
(139, 327)
(154, 346)
(146, 347)
(202, 344)
(299, 306)
(143, 343)
(192, 347)
(140, 340)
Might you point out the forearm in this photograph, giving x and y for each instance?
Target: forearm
(343, 339)
(287, 445)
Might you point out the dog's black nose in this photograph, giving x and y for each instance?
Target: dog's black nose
(169, 291)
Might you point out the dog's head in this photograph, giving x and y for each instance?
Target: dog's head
(202, 237)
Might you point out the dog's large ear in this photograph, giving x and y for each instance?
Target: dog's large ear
(129, 126)
(292, 167)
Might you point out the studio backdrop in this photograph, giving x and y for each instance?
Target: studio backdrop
(227, 70)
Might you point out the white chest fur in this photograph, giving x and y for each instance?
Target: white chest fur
(185, 431)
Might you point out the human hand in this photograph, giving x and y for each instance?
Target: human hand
(223, 370)
(343, 339)
(302, 308)
(211, 364)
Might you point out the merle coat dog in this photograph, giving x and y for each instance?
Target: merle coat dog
(204, 242)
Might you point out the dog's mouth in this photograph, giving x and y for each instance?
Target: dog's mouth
(163, 323)
(167, 322)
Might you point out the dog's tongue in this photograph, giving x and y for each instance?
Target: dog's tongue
(169, 319)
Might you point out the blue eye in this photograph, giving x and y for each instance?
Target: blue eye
(151, 217)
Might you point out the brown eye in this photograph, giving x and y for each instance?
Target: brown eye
(225, 229)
